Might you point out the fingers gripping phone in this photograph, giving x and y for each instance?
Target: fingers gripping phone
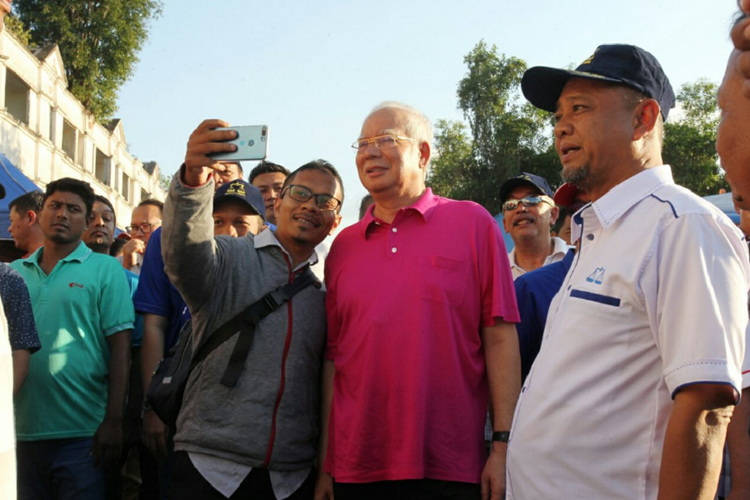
(251, 142)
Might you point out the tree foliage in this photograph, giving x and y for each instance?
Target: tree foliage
(15, 26)
(505, 135)
(99, 41)
(690, 142)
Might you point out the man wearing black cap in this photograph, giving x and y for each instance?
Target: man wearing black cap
(635, 381)
(238, 209)
(528, 214)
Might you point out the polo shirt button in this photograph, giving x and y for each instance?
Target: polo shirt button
(394, 250)
(590, 236)
(523, 389)
(395, 229)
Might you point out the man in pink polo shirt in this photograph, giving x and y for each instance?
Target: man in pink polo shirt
(421, 312)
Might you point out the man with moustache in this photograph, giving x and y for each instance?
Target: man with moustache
(257, 439)
(70, 410)
(639, 370)
(528, 214)
(420, 332)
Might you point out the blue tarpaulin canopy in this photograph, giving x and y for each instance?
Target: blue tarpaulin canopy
(15, 184)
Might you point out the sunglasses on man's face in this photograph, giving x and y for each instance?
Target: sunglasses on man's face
(529, 201)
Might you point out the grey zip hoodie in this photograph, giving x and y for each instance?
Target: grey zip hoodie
(270, 419)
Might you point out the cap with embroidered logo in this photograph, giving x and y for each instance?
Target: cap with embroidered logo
(241, 190)
(624, 64)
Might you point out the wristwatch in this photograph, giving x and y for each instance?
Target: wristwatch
(502, 436)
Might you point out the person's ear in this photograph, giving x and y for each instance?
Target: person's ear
(424, 154)
(32, 218)
(646, 116)
(336, 221)
(554, 213)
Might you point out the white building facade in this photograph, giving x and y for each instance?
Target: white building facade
(48, 134)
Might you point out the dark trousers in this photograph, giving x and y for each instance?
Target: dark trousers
(411, 489)
(58, 469)
(188, 484)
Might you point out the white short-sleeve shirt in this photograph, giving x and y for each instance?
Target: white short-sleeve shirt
(656, 299)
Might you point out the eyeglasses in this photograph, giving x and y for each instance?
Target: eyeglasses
(529, 201)
(381, 142)
(325, 202)
(146, 228)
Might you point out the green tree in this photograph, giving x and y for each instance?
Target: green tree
(99, 41)
(690, 142)
(504, 136)
(15, 26)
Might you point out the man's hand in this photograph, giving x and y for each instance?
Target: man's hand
(107, 446)
(133, 247)
(203, 141)
(741, 40)
(324, 487)
(493, 475)
(155, 435)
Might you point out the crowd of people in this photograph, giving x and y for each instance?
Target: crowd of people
(604, 356)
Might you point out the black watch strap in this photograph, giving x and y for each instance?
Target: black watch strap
(502, 436)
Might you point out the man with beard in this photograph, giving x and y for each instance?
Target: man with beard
(639, 370)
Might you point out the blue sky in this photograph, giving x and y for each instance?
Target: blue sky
(311, 71)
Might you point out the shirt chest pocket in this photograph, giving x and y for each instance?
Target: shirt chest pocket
(587, 304)
(442, 280)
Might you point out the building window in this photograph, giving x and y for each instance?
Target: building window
(125, 187)
(17, 97)
(52, 116)
(144, 194)
(102, 167)
(69, 145)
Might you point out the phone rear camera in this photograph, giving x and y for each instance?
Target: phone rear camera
(251, 143)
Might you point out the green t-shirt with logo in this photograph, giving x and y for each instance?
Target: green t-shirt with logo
(83, 300)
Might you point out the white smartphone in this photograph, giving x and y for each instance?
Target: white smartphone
(251, 142)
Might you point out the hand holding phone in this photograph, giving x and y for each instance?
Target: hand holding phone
(251, 142)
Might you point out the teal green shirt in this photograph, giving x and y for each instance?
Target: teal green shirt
(84, 299)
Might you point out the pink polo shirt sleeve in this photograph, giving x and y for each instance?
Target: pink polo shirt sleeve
(498, 292)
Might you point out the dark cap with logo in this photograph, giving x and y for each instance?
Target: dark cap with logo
(624, 64)
(524, 179)
(241, 190)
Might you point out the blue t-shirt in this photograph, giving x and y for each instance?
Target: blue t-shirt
(138, 325)
(534, 292)
(157, 295)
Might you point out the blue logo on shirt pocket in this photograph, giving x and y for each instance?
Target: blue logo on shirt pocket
(595, 297)
(597, 277)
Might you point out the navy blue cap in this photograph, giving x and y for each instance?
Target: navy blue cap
(624, 64)
(241, 190)
(525, 179)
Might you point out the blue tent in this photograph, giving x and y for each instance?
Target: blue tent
(14, 184)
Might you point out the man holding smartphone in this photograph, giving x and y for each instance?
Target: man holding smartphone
(259, 438)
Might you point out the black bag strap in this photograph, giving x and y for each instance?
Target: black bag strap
(245, 322)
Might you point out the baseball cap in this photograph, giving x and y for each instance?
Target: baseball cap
(524, 178)
(241, 190)
(566, 194)
(624, 64)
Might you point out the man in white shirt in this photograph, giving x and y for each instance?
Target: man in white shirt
(528, 214)
(639, 370)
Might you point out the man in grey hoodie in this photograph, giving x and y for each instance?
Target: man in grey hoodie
(259, 438)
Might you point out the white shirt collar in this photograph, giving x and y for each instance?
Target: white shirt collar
(624, 196)
(267, 238)
(628, 193)
(559, 250)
